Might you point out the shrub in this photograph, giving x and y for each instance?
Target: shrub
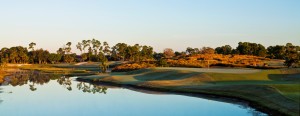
(131, 67)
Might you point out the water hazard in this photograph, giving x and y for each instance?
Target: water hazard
(40, 94)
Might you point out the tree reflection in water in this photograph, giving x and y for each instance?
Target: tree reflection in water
(66, 82)
(251, 111)
(0, 99)
(33, 78)
(90, 88)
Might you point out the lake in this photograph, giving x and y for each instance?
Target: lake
(36, 94)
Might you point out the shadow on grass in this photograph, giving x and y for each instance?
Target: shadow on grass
(165, 75)
(284, 77)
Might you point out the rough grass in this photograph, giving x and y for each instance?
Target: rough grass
(66, 69)
(2, 74)
(276, 89)
(84, 69)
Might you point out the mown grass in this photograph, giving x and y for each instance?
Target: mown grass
(291, 91)
(66, 69)
(277, 89)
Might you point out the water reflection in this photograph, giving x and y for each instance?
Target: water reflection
(0, 99)
(90, 88)
(136, 101)
(252, 111)
(33, 78)
(66, 82)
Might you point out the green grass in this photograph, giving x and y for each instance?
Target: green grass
(277, 89)
(291, 91)
(66, 69)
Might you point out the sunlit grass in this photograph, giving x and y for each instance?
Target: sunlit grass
(277, 89)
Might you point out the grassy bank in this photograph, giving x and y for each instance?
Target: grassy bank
(2, 74)
(65, 69)
(275, 91)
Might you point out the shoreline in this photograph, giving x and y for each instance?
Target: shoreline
(257, 101)
(205, 95)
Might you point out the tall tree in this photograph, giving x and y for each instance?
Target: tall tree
(61, 51)
(90, 50)
(119, 50)
(192, 51)
(292, 55)
(244, 48)
(207, 50)
(103, 62)
(17, 54)
(3, 57)
(146, 52)
(276, 52)
(41, 56)
(68, 48)
(247, 48)
(84, 45)
(261, 51)
(54, 58)
(224, 50)
(79, 47)
(31, 46)
(96, 45)
(136, 52)
(69, 58)
(106, 48)
(158, 56)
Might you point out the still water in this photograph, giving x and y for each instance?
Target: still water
(36, 94)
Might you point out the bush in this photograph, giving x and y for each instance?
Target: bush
(2, 73)
(131, 67)
(163, 63)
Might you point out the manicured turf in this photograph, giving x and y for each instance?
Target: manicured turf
(289, 90)
(214, 70)
(275, 89)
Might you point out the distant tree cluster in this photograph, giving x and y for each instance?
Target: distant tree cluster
(224, 50)
(91, 50)
(122, 51)
(203, 50)
(290, 53)
(96, 51)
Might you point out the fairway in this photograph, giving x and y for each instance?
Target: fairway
(214, 70)
(276, 89)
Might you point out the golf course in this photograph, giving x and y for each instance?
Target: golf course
(275, 91)
(150, 58)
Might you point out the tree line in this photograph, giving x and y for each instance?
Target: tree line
(96, 51)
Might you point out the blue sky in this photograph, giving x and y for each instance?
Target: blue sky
(175, 24)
